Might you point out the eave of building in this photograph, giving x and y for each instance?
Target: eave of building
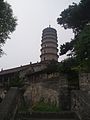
(49, 37)
(54, 42)
(18, 69)
(50, 33)
(49, 54)
(49, 29)
(45, 48)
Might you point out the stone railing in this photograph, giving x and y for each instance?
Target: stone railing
(80, 103)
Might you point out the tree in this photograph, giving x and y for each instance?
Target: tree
(82, 48)
(67, 65)
(75, 17)
(7, 23)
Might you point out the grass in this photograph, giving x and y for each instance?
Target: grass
(45, 107)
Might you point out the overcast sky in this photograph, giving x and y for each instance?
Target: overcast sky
(33, 16)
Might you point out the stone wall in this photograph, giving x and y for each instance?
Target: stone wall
(80, 103)
(9, 104)
(44, 89)
(80, 99)
(38, 92)
(84, 81)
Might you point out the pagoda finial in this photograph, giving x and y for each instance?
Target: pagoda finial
(49, 25)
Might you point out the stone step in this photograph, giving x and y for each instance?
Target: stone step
(48, 116)
(46, 119)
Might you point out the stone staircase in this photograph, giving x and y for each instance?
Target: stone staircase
(66, 115)
(48, 119)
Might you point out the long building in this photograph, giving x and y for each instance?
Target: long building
(48, 52)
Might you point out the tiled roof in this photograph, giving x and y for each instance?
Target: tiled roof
(18, 69)
(13, 70)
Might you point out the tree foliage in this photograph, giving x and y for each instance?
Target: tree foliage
(7, 23)
(67, 65)
(82, 48)
(75, 17)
